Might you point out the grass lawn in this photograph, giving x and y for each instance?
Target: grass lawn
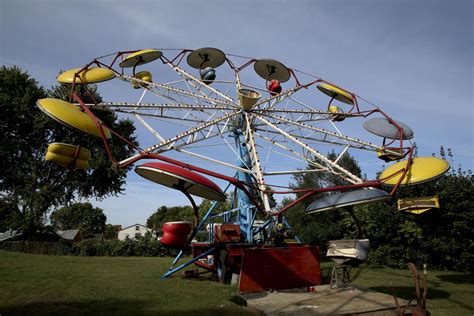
(35, 284)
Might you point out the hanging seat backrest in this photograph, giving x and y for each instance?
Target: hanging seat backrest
(411, 204)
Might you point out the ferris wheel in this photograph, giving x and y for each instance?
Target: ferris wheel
(255, 118)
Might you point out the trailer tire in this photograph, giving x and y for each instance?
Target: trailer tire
(224, 274)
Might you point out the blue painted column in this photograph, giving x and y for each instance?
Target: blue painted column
(246, 209)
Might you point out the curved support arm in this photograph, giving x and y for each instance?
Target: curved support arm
(195, 208)
(360, 230)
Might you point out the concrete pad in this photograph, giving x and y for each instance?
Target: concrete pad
(323, 301)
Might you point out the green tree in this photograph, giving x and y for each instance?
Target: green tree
(31, 186)
(319, 228)
(442, 237)
(169, 214)
(111, 231)
(218, 209)
(83, 216)
(182, 213)
(10, 215)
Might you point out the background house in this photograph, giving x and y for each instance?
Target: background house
(73, 235)
(133, 231)
(10, 234)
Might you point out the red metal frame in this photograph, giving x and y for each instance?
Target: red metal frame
(185, 173)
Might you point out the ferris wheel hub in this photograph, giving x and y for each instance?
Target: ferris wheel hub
(248, 98)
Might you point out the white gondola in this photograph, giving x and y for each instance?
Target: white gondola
(348, 251)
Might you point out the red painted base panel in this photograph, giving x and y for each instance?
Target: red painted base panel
(265, 269)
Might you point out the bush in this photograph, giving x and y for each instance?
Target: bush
(86, 247)
(144, 246)
(395, 256)
(39, 248)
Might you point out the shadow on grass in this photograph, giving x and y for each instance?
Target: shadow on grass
(237, 299)
(400, 275)
(326, 275)
(81, 307)
(464, 278)
(408, 292)
(110, 307)
(197, 275)
(354, 273)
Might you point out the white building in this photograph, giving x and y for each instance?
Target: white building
(133, 231)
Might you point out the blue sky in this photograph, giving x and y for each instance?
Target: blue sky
(412, 58)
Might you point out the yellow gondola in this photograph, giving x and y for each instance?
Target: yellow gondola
(142, 75)
(422, 169)
(336, 93)
(91, 75)
(140, 58)
(69, 156)
(71, 116)
(336, 110)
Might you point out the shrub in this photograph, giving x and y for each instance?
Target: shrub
(40, 248)
(144, 246)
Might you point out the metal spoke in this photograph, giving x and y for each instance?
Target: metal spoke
(256, 167)
(189, 132)
(169, 89)
(323, 131)
(348, 175)
(302, 158)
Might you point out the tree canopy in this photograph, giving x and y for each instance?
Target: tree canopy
(318, 228)
(182, 213)
(442, 237)
(30, 186)
(83, 216)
